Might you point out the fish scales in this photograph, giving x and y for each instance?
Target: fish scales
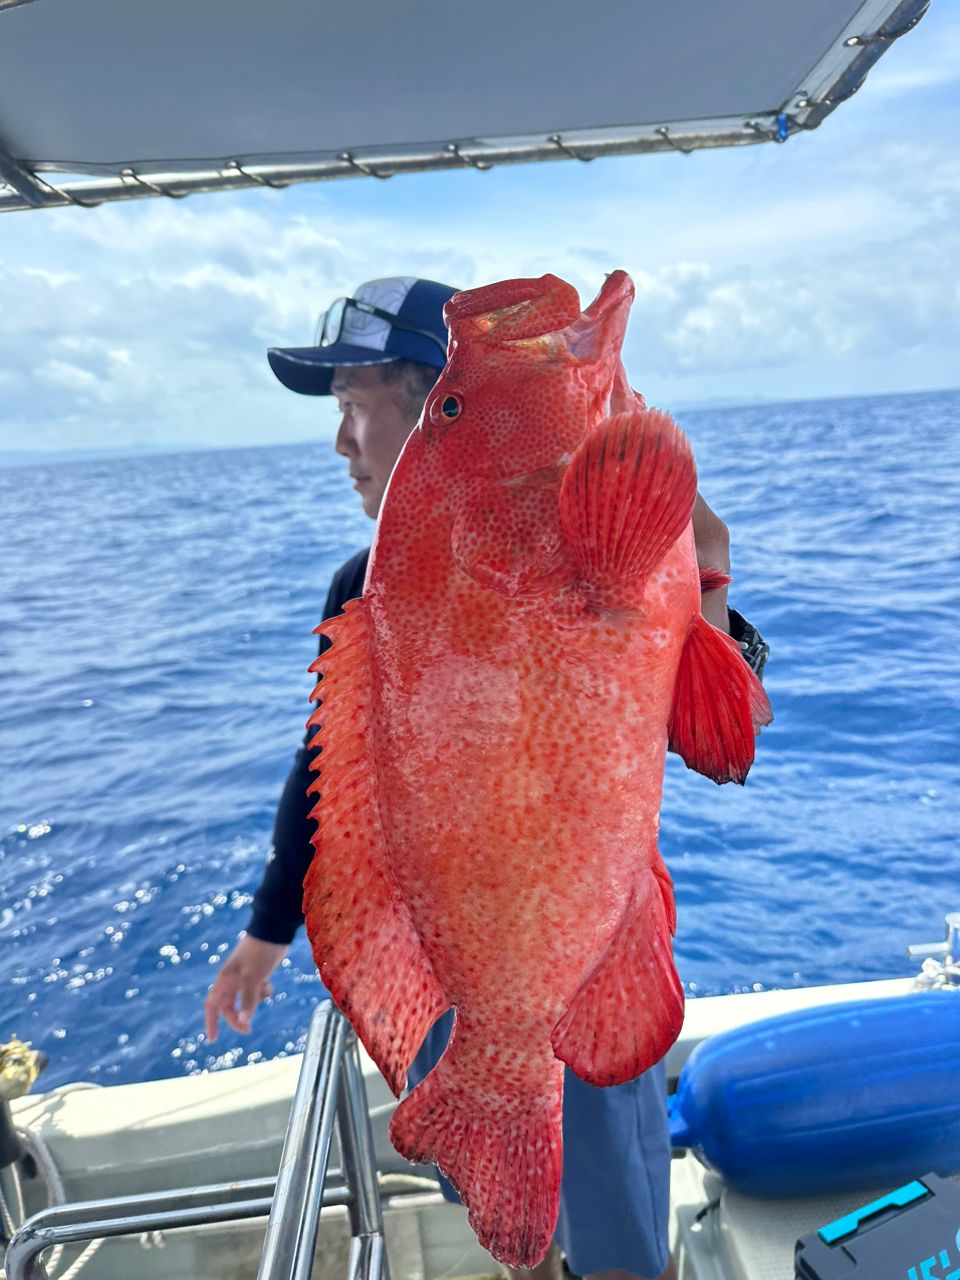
(495, 715)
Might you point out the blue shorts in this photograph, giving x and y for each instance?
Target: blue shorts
(615, 1189)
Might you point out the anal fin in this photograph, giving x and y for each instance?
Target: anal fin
(719, 706)
(364, 941)
(630, 1010)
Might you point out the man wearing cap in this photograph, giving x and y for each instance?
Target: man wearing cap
(380, 353)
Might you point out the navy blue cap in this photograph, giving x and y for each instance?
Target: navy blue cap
(369, 339)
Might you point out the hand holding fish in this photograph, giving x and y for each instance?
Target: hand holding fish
(712, 541)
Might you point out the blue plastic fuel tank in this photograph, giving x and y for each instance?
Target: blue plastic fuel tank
(840, 1097)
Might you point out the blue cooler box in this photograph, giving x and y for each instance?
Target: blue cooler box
(911, 1234)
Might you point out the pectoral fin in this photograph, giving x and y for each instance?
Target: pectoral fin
(368, 952)
(719, 706)
(627, 496)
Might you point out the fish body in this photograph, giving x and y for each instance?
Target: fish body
(494, 720)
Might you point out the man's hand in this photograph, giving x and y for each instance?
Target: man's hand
(245, 974)
(712, 538)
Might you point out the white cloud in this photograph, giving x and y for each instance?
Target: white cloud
(57, 373)
(939, 66)
(837, 308)
(53, 278)
(165, 332)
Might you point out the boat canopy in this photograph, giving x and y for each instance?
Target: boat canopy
(133, 100)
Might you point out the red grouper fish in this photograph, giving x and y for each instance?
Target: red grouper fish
(495, 714)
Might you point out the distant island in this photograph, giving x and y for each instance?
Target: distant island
(55, 457)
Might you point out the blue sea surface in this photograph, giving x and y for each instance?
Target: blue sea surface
(155, 629)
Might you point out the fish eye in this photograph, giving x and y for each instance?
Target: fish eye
(447, 409)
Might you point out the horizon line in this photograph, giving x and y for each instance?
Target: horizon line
(720, 404)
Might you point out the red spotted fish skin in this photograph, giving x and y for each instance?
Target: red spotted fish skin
(496, 712)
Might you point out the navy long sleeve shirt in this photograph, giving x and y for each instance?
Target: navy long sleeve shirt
(277, 903)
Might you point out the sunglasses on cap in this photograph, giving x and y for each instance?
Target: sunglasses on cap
(330, 325)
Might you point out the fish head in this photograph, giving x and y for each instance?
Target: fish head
(528, 376)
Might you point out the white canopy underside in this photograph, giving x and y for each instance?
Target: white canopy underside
(197, 94)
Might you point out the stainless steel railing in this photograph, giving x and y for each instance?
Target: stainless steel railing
(368, 1259)
(292, 1230)
(330, 1087)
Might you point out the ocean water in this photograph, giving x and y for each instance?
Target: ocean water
(155, 627)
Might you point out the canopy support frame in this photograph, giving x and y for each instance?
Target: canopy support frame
(24, 183)
(233, 175)
(836, 77)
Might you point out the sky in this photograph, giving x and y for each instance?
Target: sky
(823, 267)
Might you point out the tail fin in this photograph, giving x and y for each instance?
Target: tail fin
(505, 1161)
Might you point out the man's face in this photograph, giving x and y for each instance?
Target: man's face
(373, 429)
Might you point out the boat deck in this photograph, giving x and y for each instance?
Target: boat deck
(225, 1131)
